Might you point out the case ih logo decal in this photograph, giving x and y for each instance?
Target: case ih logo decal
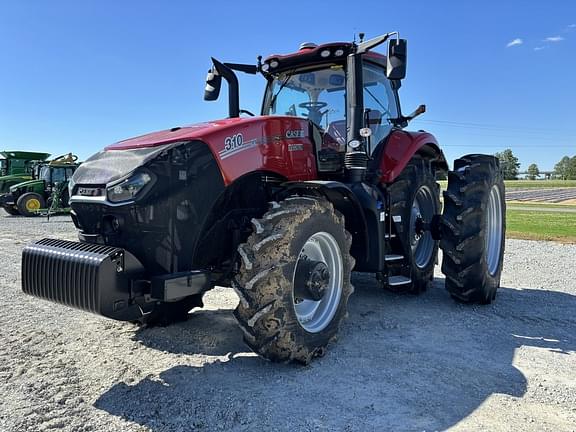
(295, 133)
(235, 144)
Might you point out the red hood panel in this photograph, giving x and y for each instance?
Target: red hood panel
(184, 133)
(275, 144)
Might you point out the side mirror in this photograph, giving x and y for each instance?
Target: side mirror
(396, 61)
(213, 84)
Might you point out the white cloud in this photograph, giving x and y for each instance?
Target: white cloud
(514, 42)
(539, 48)
(554, 39)
(572, 26)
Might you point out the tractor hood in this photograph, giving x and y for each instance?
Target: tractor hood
(238, 145)
(25, 184)
(199, 131)
(120, 159)
(17, 177)
(10, 180)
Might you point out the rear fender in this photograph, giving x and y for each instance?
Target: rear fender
(395, 153)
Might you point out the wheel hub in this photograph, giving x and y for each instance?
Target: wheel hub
(421, 214)
(317, 282)
(312, 279)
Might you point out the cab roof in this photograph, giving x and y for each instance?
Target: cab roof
(310, 54)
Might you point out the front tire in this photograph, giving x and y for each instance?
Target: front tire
(300, 242)
(473, 229)
(29, 204)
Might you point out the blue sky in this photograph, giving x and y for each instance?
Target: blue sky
(79, 75)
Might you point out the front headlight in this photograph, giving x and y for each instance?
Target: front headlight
(127, 189)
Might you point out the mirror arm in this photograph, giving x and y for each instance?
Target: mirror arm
(374, 42)
(403, 121)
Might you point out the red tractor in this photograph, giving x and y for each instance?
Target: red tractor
(282, 207)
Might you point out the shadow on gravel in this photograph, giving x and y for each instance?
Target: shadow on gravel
(402, 363)
(208, 332)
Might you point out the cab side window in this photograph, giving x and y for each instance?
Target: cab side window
(58, 175)
(380, 100)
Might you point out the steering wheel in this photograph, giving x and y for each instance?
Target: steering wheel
(243, 111)
(313, 105)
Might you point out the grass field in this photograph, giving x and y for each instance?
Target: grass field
(530, 184)
(539, 220)
(530, 221)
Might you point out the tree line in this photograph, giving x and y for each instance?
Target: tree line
(565, 169)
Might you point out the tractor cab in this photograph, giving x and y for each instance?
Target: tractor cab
(318, 93)
(346, 91)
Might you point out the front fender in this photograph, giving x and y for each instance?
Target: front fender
(347, 202)
(401, 146)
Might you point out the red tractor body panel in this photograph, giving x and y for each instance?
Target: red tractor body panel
(274, 144)
(400, 148)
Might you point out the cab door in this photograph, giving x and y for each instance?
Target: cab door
(380, 104)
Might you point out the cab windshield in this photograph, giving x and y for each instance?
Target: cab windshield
(317, 95)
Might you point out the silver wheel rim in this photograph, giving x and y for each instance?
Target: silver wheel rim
(422, 243)
(314, 316)
(493, 238)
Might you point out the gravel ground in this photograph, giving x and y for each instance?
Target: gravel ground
(401, 363)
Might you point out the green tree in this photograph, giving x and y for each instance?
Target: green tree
(533, 171)
(572, 169)
(562, 168)
(508, 164)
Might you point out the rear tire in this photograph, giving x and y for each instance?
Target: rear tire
(277, 324)
(29, 203)
(473, 229)
(415, 192)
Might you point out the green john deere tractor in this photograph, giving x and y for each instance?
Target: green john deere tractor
(16, 167)
(46, 192)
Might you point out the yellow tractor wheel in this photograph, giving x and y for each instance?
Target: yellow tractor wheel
(29, 204)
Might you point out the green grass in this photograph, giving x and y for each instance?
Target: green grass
(541, 225)
(539, 204)
(538, 184)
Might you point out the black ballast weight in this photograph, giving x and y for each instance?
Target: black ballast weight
(91, 277)
(104, 280)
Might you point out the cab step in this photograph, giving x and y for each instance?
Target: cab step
(399, 280)
(393, 257)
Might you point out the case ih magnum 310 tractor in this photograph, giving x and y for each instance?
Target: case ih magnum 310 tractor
(282, 207)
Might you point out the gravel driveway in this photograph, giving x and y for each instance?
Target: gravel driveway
(401, 363)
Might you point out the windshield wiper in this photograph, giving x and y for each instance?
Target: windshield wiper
(377, 101)
(273, 100)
